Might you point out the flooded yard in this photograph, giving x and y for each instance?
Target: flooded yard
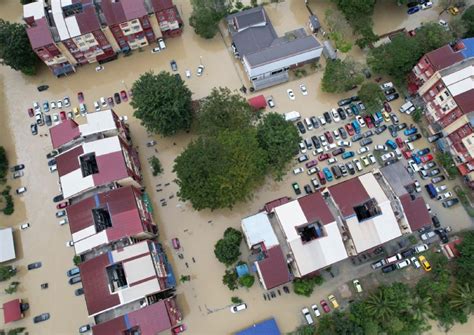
(204, 300)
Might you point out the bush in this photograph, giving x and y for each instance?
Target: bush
(416, 115)
(156, 167)
(236, 300)
(9, 204)
(230, 279)
(227, 249)
(3, 165)
(77, 260)
(247, 280)
(446, 160)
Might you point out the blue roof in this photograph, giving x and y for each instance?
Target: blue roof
(267, 327)
(242, 270)
(469, 50)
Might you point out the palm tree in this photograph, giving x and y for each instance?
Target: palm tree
(379, 306)
(420, 308)
(462, 297)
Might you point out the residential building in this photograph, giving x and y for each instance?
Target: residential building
(68, 133)
(44, 41)
(7, 245)
(445, 81)
(119, 216)
(169, 19)
(312, 234)
(366, 212)
(267, 58)
(128, 279)
(129, 23)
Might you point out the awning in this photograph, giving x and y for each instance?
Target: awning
(11, 311)
(258, 102)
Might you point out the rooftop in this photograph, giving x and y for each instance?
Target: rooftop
(257, 229)
(398, 177)
(267, 327)
(117, 12)
(448, 55)
(416, 212)
(39, 35)
(348, 194)
(7, 245)
(159, 5)
(12, 311)
(273, 268)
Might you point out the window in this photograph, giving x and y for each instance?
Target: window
(367, 210)
(88, 164)
(441, 98)
(101, 217)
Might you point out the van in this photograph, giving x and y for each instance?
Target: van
(356, 126)
(308, 123)
(406, 106)
(292, 116)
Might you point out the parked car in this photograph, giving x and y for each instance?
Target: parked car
(296, 188)
(438, 179)
(450, 203)
(73, 272)
(79, 291)
(333, 301)
(325, 306)
(403, 264)
(424, 262)
(378, 264)
(238, 308)
(389, 268)
(357, 285)
(298, 170)
(33, 266)
(427, 236)
(316, 310)
(61, 213)
(414, 262)
(21, 190)
(74, 280)
(25, 226)
(58, 198)
(290, 94)
(40, 318)
(34, 129)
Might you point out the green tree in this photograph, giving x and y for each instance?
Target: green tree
(12, 288)
(379, 305)
(432, 36)
(156, 167)
(458, 27)
(247, 280)
(16, 331)
(218, 172)
(340, 76)
(230, 280)
(304, 330)
(417, 115)
(184, 278)
(446, 160)
(372, 96)
(462, 297)
(162, 102)
(278, 138)
(303, 287)
(465, 263)
(233, 235)
(6, 272)
(3, 165)
(15, 48)
(206, 15)
(236, 300)
(468, 19)
(224, 110)
(227, 249)
(338, 323)
(421, 308)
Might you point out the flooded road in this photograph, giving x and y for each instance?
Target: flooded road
(204, 300)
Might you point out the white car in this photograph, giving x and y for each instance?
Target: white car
(357, 164)
(302, 147)
(103, 102)
(415, 262)
(344, 143)
(428, 235)
(20, 190)
(96, 106)
(322, 120)
(188, 73)
(238, 308)
(357, 285)
(270, 102)
(444, 196)
(441, 188)
(66, 102)
(386, 85)
(161, 43)
(298, 170)
(25, 226)
(312, 170)
(444, 24)
(316, 310)
(335, 115)
(360, 120)
(99, 68)
(371, 158)
(363, 150)
(290, 93)
(332, 160)
(403, 264)
(420, 248)
(53, 104)
(380, 147)
(427, 5)
(330, 147)
(59, 104)
(155, 50)
(63, 222)
(307, 316)
(417, 186)
(388, 156)
(303, 89)
(53, 168)
(69, 243)
(200, 70)
(36, 107)
(56, 118)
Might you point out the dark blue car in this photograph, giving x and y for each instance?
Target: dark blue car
(423, 152)
(413, 10)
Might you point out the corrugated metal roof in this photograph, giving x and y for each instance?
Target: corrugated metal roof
(348, 194)
(274, 268)
(267, 327)
(416, 212)
(315, 208)
(64, 132)
(39, 35)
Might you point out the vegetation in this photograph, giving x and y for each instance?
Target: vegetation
(278, 138)
(458, 27)
(417, 115)
(184, 278)
(9, 203)
(156, 167)
(468, 19)
(77, 260)
(306, 286)
(15, 48)
(236, 300)
(339, 30)
(227, 249)
(446, 160)
(397, 58)
(230, 279)
(340, 76)
(12, 288)
(372, 96)
(7, 272)
(206, 16)
(14, 331)
(247, 280)
(162, 102)
(3, 165)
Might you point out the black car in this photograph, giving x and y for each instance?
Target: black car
(350, 168)
(366, 141)
(450, 202)
(47, 120)
(42, 88)
(393, 130)
(58, 198)
(408, 253)
(392, 97)
(394, 119)
(173, 65)
(341, 113)
(327, 117)
(338, 151)
(117, 98)
(308, 189)
(389, 268)
(381, 129)
(34, 129)
(52, 162)
(438, 179)
(315, 122)
(344, 102)
(435, 221)
(389, 91)
(443, 235)
(343, 133)
(316, 142)
(355, 98)
(52, 154)
(74, 280)
(79, 291)
(413, 138)
(35, 265)
(17, 167)
(368, 133)
(301, 127)
(41, 318)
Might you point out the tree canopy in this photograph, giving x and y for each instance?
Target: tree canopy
(278, 138)
(468, 19)
(15, 48)
(372, 96)
(206, 16)
(3, 164)
(227, 249)
(340, 76)
(162, 102)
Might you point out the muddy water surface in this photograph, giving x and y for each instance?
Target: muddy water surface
(204, 300)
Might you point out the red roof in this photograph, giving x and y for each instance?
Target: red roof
(443, 57)
(64, 132)
(39, 35)
(274, 268)
(11, 311)
(116, 12)
(159, 5)
(121, 206)
(416, 212)
(69, 161)
(465, 101)
(315, 208)
(349, 194)
(258, 102)
(151, 320)
(269, 206)
(111, 167)
(87, 20)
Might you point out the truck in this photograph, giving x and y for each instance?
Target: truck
(407, 107)
(292, 116)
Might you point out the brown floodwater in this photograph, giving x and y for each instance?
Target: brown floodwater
(204, 300)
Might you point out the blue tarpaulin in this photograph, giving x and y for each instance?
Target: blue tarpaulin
(242, 270)
(267, 327)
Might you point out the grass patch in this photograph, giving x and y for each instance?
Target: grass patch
(463, 197)
(8, 203)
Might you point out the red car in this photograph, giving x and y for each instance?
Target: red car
(329, 137)
(179, 329)
(31, 113)
(325, 306)
(387, 107)
(323, 157)
(63, 116)
(312, 163)
(406, 153)
(62, 205)
(175, 243)
(350, 129)
(426, 158)
(80, 97)
(399, 142)
(124, 96)
(368, 121)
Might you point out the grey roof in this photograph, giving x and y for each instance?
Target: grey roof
(398, 177)
(254, 39)
(282, 50)
(248, 17)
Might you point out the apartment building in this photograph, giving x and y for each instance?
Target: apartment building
(169, 19)
(445, 79)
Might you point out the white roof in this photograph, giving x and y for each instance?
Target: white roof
(35, 9)
(7, 246)
(316, 254)
(97, 123)
(57, 10)
(89, 242)
(257, 228)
